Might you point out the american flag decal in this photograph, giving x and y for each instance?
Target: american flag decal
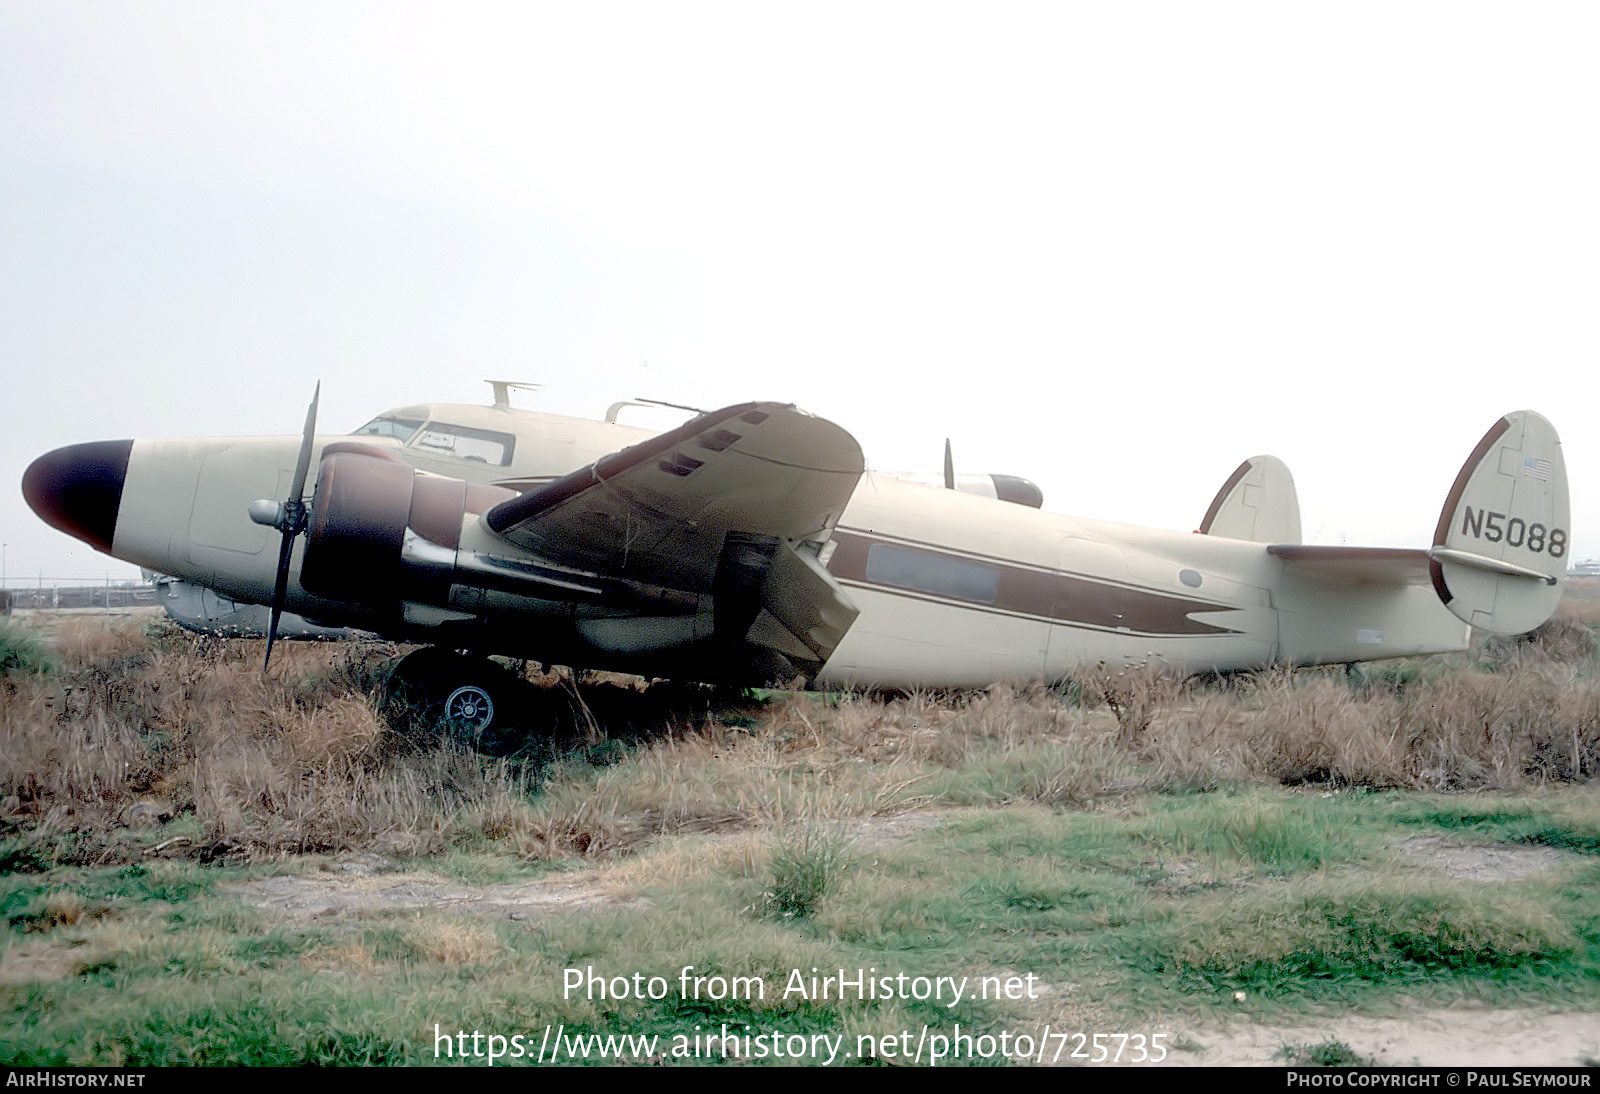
(1536, 469)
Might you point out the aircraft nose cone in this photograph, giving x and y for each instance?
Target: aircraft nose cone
(78, 489)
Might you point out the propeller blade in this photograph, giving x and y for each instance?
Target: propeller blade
(949, 467)
(279, 591)
(303, 464)
(294, 520)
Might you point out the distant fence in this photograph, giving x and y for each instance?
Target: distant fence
(47, 597)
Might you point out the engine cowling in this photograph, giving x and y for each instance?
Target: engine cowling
(1012, 488)
(367, 503)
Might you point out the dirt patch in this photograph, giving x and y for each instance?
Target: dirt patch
(30, 962)
(1432, 1038)
(880, 830)
(1483, 862)
(316, 896)
(359, 886)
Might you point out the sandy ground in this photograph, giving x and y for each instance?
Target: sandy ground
(1432, 1038)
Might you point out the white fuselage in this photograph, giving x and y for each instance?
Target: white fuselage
(953, 590)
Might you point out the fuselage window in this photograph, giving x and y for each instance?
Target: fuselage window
(925, 571)
(399, 428)
(465, 443)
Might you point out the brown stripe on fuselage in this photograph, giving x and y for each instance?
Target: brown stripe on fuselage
(1052, 595)
(1448, 513)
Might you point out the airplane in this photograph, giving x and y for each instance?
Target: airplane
(751, 545)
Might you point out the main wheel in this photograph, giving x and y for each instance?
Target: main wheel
(467, 713)
(470, 700)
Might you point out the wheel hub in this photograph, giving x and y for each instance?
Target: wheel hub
(469, 710)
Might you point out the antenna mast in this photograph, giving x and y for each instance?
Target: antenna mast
(502, 391)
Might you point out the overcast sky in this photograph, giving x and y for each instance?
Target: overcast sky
(1115, 247)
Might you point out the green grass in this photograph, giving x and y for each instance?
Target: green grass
(1571, 822)
(1152, 908)
(1265, 831)
(22, 653)
(804, 864)
(1325, 1054)
(1309, 936)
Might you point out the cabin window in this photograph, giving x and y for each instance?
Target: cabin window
(925, 571)
(465, 443)
(399, 428)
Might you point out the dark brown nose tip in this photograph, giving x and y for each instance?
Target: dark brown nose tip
(78, 489)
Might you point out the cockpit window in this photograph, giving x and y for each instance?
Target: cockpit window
(399, 428)
(465, 443)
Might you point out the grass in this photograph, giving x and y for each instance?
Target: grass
(1324, 1054)
(1142, 856)
(803, 865)
(22, 653)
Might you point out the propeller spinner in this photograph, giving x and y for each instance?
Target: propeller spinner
(289, 517)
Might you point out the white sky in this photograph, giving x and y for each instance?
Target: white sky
(1115, 247)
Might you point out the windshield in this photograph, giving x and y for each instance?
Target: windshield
(388, 427)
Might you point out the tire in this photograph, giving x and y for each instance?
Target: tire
(468, 713)
(434, 693)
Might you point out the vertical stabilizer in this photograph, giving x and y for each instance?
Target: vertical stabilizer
(1500, 552)
(1258, 503)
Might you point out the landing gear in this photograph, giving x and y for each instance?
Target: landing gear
(470, 700)
(469, 710)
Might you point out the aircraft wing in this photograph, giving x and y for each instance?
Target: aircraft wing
(725, 504)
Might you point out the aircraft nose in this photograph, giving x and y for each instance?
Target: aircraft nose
(78, 489)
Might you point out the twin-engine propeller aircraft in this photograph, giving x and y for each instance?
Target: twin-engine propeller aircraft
(751, 545)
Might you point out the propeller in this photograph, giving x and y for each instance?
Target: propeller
(289, 517)
(949, 467)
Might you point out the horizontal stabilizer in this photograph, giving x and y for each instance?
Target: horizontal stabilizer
(1352, 566)
(1359, 604)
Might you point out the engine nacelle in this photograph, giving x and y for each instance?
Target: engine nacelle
(382, 532)
(1012, 488)
(367, 505)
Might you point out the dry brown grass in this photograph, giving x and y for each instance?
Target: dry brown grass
(1580, 601)
(186, 737)
(190, 727)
